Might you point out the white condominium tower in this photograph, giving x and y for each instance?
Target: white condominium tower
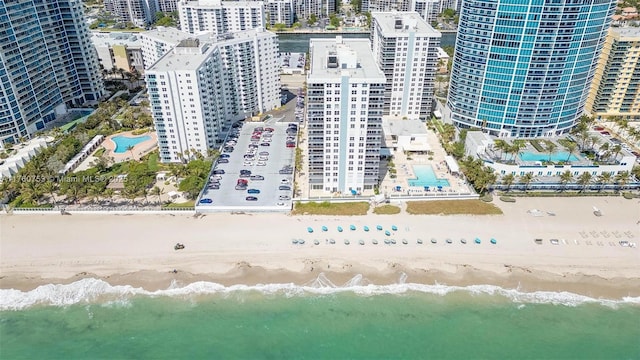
(139, 12)
(159, 41)
(406, 49)
(280, 12)
(319, 8)
(47, 62)
(345, 96)
(201, 87)
(220, 17)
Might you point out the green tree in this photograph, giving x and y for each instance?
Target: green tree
(334, 21)
(571, 147)
(526, 180)
(279, 26)
(508, 180)
(622, 179)
(584, 179)
(603, 179)
(448, 14)
(313, 19)
(565, 178)
(551, 149)
(156, 191)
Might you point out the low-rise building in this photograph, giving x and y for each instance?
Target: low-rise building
(280, 12)
(119, 50)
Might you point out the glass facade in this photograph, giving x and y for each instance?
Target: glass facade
(522, 68)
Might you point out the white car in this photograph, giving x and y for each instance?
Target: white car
(261, 163)
(247, 163)
(284, 181)
(281, 204)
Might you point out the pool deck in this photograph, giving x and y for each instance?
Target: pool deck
(139, 149)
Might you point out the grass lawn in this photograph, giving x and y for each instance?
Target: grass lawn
(190, 203)
(452, 207)
(327, 208)
(386, 210)
(152, 162)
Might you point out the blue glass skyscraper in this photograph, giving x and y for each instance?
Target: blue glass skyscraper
(522, 68)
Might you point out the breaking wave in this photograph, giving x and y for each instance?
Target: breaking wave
(91, 290)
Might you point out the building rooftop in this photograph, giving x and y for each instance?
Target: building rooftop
(218, 4)
(167, 34)
(333, 58)
(107, 39)
(401, 23)
(627, 31)
(399, 127)
(190, 51)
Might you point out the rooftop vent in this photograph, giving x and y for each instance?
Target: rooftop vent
(332, 61)
(191, 42)
(398, 24)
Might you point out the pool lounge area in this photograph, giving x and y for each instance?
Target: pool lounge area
(426, 178)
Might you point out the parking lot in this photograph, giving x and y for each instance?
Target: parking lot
(254, 171)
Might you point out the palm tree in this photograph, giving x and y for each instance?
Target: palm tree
(108, 193)
(551, 148)
(622, 179)
(130, 149)
(584, 179)
(615, 150)
(571, 147)
(526, 180)
(603, 179)
(565, 178)
(157, 192)
(49, 187)
(508, 180)
(500, 145)
(604, 149)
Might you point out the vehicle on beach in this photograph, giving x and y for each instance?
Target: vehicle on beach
(554, 241)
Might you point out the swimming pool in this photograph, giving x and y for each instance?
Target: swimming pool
(123, 142)
(426, 177)
(558, 156)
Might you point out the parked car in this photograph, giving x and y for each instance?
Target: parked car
(242, 181)
(284, 197)
(223, 161)
(280, 204)
(256, 177)
(284, 187)
(251, 198)
(284, 181)
(229, 149)
(259, 128)
(245, 172)
(213, 187)
(265, 144)
(218, 172)
(253, 191)
(269, 129)
(206, 201)
(264, 153)
(291, 144)
(261, 163)
(225, 156)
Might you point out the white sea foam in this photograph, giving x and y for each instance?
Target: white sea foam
(98, 291)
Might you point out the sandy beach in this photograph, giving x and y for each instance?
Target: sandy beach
(257, 248)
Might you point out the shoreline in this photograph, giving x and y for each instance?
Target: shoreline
(252, 249)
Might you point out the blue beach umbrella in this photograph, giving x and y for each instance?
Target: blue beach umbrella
(387, 233)
(324, 228)
(477, 240)
(394, 228)
(339, 228)
(352, 227)
(366, 228)
(310, 229)
(493, 241)
(379, 227)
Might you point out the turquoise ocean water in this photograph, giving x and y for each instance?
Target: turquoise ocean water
(408, 321)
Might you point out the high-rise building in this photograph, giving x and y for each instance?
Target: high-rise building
(615, 90)
(345, 99)
(280, 12)
(405, 47)
(47, 63)
(320, 8)
(139, 12)
(200, 87)
(428, 9)
(159, 41)
(220, 17)
(524, 69)
(167, 6)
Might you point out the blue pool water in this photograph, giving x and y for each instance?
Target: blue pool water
(559, 156)
(426, 177)
(123, 142)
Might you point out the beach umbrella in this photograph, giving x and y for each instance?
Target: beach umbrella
(294, 241)
(394, 228)
(324, 228)
(361, 242)
(301, 242)
(347, 242)
(433, 240)
(310, 229)
(387, 233)
(477, 240)
(379, 227)
(374, 242)
(339, 228)
(366, 228)
(352, 227)
(316, 242)
(419, 241)
(493, 241)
